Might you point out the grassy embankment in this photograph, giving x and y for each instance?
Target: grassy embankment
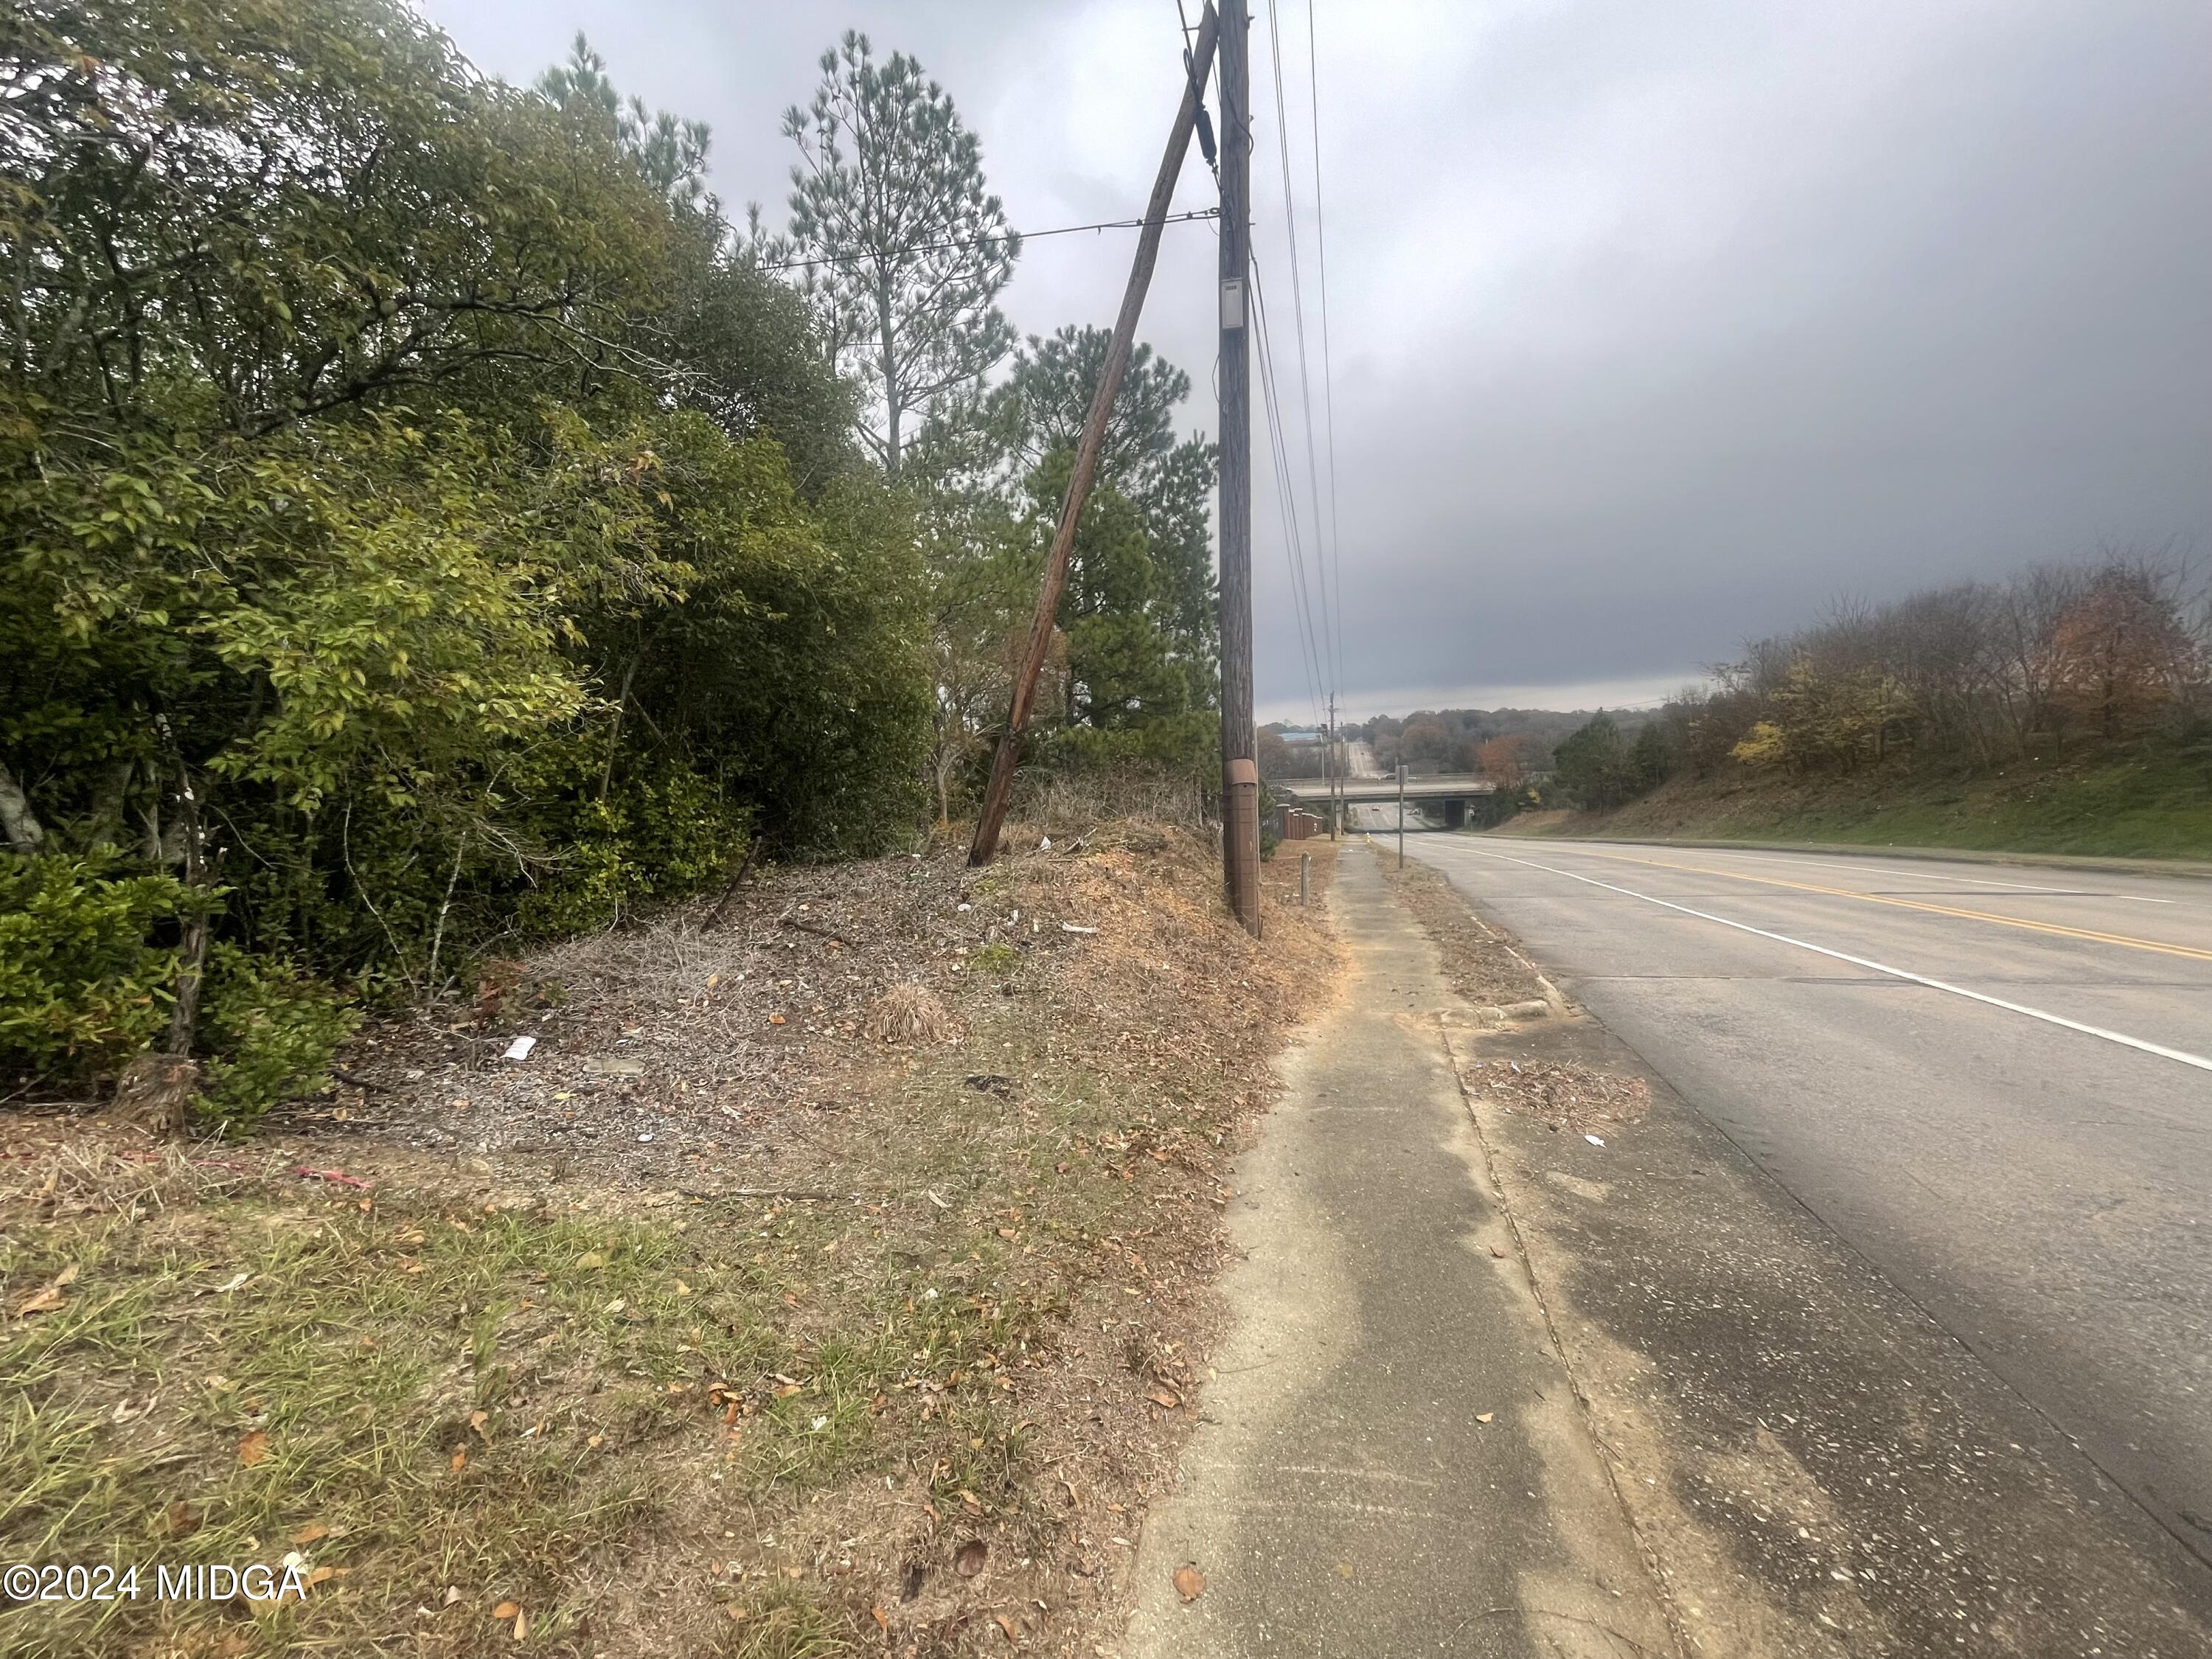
(2143, 801)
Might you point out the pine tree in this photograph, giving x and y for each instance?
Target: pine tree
(905, 251)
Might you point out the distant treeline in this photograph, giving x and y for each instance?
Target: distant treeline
(1972, 675)
(1512, 744)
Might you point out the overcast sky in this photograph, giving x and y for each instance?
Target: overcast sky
(1654, 326)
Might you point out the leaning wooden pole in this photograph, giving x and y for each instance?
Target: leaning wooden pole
(1007, 760)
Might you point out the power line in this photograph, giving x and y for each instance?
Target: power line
(1299, 311)
(985, 241)
(1301, 601)
(1328, 377)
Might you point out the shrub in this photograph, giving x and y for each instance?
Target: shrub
(271, 1032)
(82, 990)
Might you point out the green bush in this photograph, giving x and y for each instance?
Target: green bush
(82, 990)
(271, 1032)
(667, 831)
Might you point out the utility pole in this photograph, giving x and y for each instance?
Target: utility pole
(999, 795)
(1335, 771)
(1240, 831)
(1402, 815)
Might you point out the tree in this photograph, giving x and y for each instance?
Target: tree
(237, 215)
(399, 546)
(1593, 765)
(1650, 758)
(1500, 759)
(904, 251)
(670, 152)
(1038, 411)
(2121, 653)
(1133, 664)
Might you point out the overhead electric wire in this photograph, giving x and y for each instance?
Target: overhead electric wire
(1302, 599)
(1285, 498)
(1327, 375)
(985, 241)
(1298, 314)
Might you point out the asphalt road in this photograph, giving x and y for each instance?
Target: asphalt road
(1993, 1082)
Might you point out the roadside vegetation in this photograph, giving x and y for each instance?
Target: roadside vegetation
(2068, 710)
(433, 528)
(879, 1336)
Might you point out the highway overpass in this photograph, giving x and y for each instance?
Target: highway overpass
(1451, 794)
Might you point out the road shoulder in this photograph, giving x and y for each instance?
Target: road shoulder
(1815, 1467)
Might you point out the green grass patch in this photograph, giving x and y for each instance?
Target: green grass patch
(2148, 800)
(423, 1402)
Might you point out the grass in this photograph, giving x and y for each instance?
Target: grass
(2143, 801)
(451, 1412)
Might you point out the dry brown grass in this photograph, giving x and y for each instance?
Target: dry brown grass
(909, 1013)
(1482, 963)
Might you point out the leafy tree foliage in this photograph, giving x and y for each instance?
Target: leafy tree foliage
(420, 524)
(2113, 649)
(1133, 670)
(1593, 767)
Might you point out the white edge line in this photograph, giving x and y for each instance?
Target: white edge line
(2121, 1038)
(1834, 862)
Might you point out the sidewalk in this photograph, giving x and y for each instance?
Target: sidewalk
(1391, 1460)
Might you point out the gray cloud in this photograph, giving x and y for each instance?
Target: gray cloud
(1653, 327)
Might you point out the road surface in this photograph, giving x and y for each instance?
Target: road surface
(1993, 1082)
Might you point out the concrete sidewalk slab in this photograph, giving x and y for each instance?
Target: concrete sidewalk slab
(1392, 1459)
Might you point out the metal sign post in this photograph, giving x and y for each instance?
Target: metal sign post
(1402, 815)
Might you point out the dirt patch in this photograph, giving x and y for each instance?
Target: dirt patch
(1484, 965)
(724, 1321)
(1562, 1094)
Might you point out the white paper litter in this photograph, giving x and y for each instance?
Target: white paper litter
(1594, 1140)
(520, 1047)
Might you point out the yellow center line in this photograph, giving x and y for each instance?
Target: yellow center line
(2131, 943)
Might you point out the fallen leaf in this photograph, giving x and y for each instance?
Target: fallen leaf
(522, 1626)
(460, 1460)
(308, 1534)
(1162, 1397)
(477, 1421)
(183, 1520)
(1007, 1626)
(971, 1556)
(884, 1623)
(319, 1574)
(505, 1611)
(1189, 1582)
(254, 1447)
(775, 1019)
(591, 1259)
